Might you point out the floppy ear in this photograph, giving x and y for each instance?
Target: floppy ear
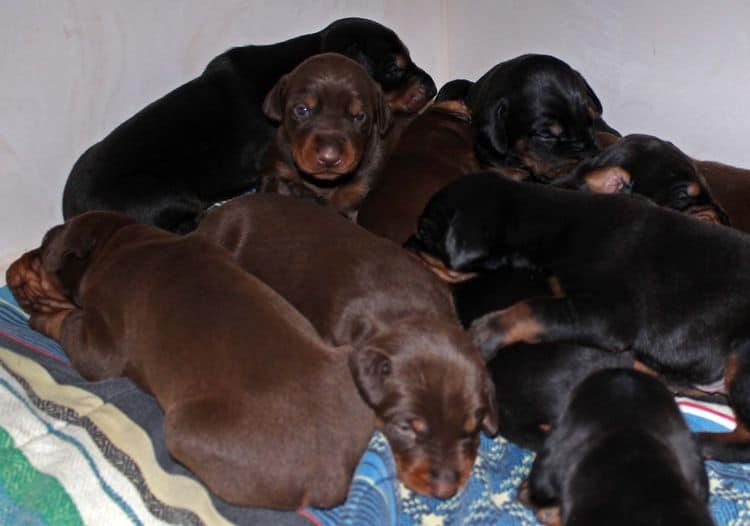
(273, 105)
(382, 113)
(594, 99)
(490, 422)
(370, 367)
(491, 127)
(608, 180)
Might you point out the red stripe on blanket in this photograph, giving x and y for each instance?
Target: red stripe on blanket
(309, 517)
(35, 349)
(706, 409)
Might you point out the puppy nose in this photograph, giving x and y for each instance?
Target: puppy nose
(329, 155)
(445, 484)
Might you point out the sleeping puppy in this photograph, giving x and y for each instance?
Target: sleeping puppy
(432, 151)
(534, 113)
(432, 394)
(332, 119)
(620, 455)
(632, 275)
(532, 382)
(205, 141)
(648, 166)
(256, 404)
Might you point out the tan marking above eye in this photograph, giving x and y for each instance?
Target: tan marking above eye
(355, 107)
(471, 425)
(592, 112)
(310, 101)
(401, 61)
(693, 189)
(419, 425)
(556, 128)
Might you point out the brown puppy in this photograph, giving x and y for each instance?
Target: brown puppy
(731, 187)
(333, 117)
(433, 150)
(256, 404)
(412, 361)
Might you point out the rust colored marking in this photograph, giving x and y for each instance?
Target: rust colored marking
(693, 189)
(544, 428)
(445, 273)
(518, 324)
(414, 473)
(355, 107)
(401, 61)
(555, 287)
(642, 367)
(455, 107)
(471, 425)
(556, 128)
(310, 101)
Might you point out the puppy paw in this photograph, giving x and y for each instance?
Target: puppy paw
(36, 290)
(549, 516)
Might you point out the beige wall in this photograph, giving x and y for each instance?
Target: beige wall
(71, 71)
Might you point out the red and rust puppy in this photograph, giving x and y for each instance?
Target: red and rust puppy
(256, 404)
(633, 276)
(332, 119)
(651, 167)
(413, 362)
(432, 151)
(534, 113)
(204, 142)
(731, 186)
(620, 455)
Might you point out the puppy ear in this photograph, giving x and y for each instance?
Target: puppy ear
(608, 180)
(370, 367)
(491, 130)
(491, 420)
(273, 105)
(382, 113)
(597, 104)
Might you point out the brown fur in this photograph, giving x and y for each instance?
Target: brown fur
(236, 369)
(730, 186)
(411, 358)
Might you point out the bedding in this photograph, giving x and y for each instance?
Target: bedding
(78, 452)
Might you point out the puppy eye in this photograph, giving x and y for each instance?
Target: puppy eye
(406, 430)
(360, 117)
(301, 111)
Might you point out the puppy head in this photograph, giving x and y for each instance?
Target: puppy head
(68, 249)
(432, 395)
(653, 168)
(534, 112)
(330, 111)
(464, 225)
(381, 53)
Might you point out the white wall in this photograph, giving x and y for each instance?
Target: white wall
(71, 71)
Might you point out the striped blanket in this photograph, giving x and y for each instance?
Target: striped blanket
(77, 452)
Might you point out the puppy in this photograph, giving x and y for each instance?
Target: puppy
(256, 404)
(620, 455)
(433, 394)
(648, 166)
(534, 113)
(731, 186)
(433, 150)
(532, 382)
(332, 119)
(633, 276)
(205, 141)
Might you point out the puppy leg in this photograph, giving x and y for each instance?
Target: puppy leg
(551, 319)
(85, 339)
(735, 445)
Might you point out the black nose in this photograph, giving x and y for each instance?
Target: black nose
(445, 483)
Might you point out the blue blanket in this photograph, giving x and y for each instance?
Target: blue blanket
(90, 430)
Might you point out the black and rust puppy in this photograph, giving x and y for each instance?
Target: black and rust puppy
(651, 167)
(433, 394)
(433, 150)
(532, 382)
(620, 455)
(256, 404)
(632, 275)
(205, 141)
(731, 187)
(533, 113)
(332, 117)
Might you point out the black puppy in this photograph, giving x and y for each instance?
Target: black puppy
(532, 382)
(535, 113)
(205, 141)
(633, 276)
(651, 167)
(620, 455)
